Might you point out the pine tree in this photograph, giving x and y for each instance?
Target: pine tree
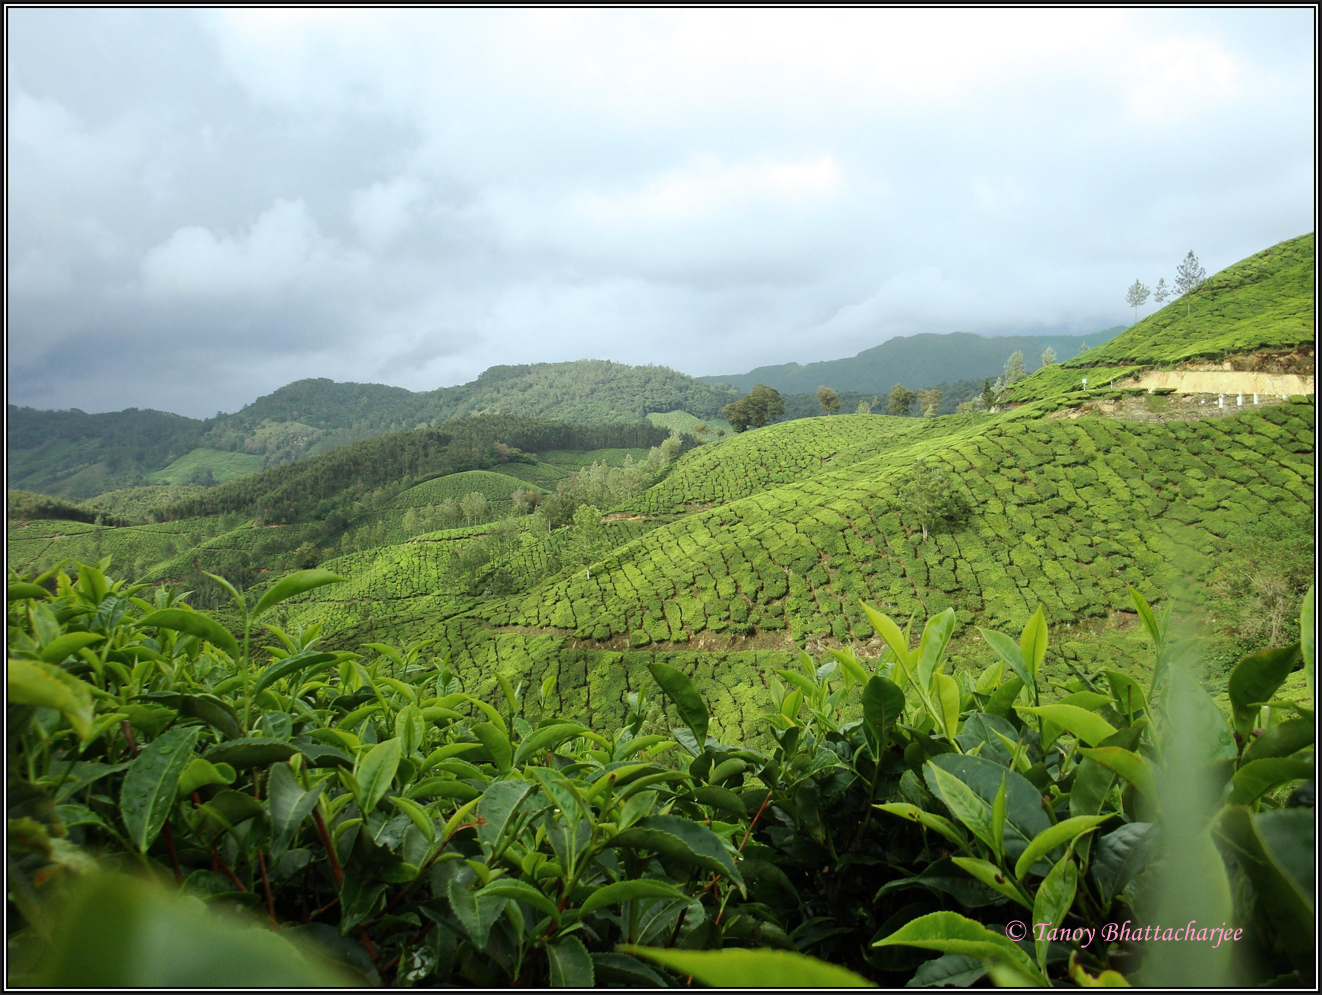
(1014, 368)
(1188, 278)
(1161, 293)
(1049, 356)
(1136, 295)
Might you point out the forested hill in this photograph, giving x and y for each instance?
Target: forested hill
(78, 455)
(916, 361)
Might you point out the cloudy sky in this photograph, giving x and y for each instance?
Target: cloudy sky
(205, 206)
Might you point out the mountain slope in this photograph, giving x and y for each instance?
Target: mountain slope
(915, 360)
(1255, 315)
(79, 455)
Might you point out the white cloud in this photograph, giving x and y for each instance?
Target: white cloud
(283, 249)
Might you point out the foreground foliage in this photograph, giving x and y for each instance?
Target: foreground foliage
(398, 829)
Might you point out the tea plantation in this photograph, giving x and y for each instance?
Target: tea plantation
(1264, 303)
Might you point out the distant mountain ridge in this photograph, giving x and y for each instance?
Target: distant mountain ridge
(924, 360)
(78, 455)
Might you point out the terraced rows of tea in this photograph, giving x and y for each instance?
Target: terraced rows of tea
(556, 465)
(454, 486)
(1064, 513)
(1061, 512)
(753, 461)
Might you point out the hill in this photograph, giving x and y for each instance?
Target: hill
(78, 455)
(760, 545)
(1251, 322)
(915, 360)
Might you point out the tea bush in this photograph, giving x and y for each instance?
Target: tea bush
(395, 827)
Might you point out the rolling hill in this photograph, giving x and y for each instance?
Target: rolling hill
(926, 360)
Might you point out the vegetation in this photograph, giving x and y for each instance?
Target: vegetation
(74, 454)
(927, 360)
(1262, 302)
(758, 407)
(404, 821)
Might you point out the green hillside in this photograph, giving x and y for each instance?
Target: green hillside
(767, 542)
(209, 465)
(925, 360)
(1262, 304)
(79, 455)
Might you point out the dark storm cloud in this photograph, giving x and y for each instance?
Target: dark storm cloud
(205, 206)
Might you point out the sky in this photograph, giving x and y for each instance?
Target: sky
(206, 205)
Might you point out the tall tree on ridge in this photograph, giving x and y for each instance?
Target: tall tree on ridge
(1135, 296)
(1188, 278)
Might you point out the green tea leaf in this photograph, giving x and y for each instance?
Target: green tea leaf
(952, 933)
(475, 914)
(947, 699)
(571, 965)
(690, 842)
(1276, 850)
(1009, 651)
(993, 877)
(500, 801)
(1128, 765)
(1086, 726)
(497, 742)
(628, 891)
(309, 662)
(1255, 680)
(522, 892)
(1307, 637)
(1058, 835)
(883, 705)
(202, 773)
(289, 806)
(751, 968)
(71, 642)
(932, 821)
(932, 647)
(890, 632)
(1149, 620)
(250, 751)
(1033, 642)
(1055, 896)
(1281, 740)
(194, 624)
(376, 772)
(294, 585)
(35, 682)
(685, 697)
(151, 784)
(547, 738)
(1260, 776)
(1120, 856)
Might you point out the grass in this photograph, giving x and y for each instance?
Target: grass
(223, 466)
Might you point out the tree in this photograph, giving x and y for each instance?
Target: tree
(1189, 277)
(988, 395)
(865, 406)
(1083, 347)
(1014, 368)
(1049, 356)
(901, 400)
(927, 497)
(929, 400)
(1161, 293)
(473, 505)
(1136, 295)
(759, 406)
(697, 430)
(828, 400)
